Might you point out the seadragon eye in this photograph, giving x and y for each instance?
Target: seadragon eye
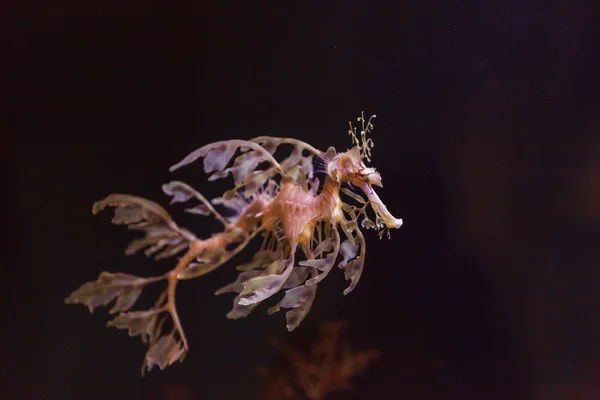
(371, 176)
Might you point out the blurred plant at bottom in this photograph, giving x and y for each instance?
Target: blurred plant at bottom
(327, 368)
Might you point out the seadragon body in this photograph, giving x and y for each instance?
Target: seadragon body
(283, 202)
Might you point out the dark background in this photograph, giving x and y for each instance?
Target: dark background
(486, 137)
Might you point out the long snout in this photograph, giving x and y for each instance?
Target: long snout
(380, 208)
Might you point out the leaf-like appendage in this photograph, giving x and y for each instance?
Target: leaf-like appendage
(243, 165)
(260, 260)
(298, 276)
(254, 181)
(353, 263)
(353, 195)
(353, 249)
(218, 157)
(268, 143)
(130, 209)
(300, 299)
(182, 192)
(239, 310)
(137, 323)
(307, 166)
(200, 209)
(348, 250)
(210, 260)
(161, 246)
(164, 352)
(296, 158)
(123, 287)
(325, 246)
(221, 154)
(238, 285)
(163, 237)
(367, 223)
(232, 201)
(324, 264)
(246, 170)
(179, 191)
(262, 287)
(293, 159)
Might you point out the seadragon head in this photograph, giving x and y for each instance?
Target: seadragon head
(349, 167)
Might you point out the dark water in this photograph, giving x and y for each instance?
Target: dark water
(486, 139)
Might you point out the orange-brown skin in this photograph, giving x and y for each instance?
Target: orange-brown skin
(299, 211)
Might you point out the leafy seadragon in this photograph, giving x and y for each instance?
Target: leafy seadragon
(284, 202)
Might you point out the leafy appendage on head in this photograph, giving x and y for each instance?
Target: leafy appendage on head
(365, 178)
(365, 144)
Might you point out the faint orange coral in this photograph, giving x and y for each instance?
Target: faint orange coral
(328, 367)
